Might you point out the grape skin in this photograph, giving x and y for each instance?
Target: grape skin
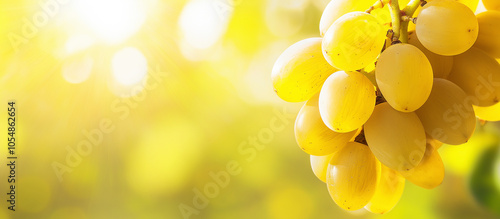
(448, 116)
(353, 41)
(404, 76)
(429, 173)
(352, 176)
(390, 187)
(441, 65)
(478, 75)
(319, 165)
(492, 4)
(346, 101)
(397, 139)
(488, 39)
(300, 71)
(336, 8)
(446, 27)
(313, 136)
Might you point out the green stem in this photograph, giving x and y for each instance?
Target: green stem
(408, 11)
(376, 5)
(396, 19)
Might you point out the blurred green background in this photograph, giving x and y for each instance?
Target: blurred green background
(183, 89)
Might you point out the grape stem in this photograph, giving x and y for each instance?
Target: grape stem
(396, 20)
(408, 12)
(376, 5)
(400, 18)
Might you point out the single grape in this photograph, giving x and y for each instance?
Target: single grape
(352, 176)
(488, 39)
(300, 71)
(390, 187)
(492, 4)
(353, 41)
(404, 76)
(429, 173)
(441, 65)
(313, 136)
(319, 165)
(448, 115)
(397, 139)
(478, 75)
(346, 101)
(488, 113)
(447, 27)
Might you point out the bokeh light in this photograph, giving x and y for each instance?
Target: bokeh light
(129, 66)
(203, 22)
(111, 20)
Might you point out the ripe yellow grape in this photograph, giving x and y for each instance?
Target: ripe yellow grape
(390, 187)
(397, 139)
(336, 8)
(429, 173)
(488, 39)
(313, 136)
(489, 113)
(492, 4)
(300, 71)
(478, 75)
(319, 165)
(353, 41)
(404, 76)
(446, 27)
(346, 101)
(352, 176)
(448, 115)
(441, 65)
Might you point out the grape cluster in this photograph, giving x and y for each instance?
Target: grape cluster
(387, 84)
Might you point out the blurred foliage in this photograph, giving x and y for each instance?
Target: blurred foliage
(169, 137)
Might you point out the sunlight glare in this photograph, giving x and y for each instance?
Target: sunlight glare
(129, 66)
(203, 23)
(112, 20)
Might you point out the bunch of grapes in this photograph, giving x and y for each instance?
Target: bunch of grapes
(387, 84)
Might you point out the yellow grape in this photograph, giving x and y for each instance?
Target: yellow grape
(397, 139)
(300, 71)
(489, 33)
(336, 8)
(446, 27)
(478, 75)
(489, 113)
(441, 65)
(312, 135)
(319, 165)
(404, 76)
(346, 101)
(390, 187)
(429, 173)
(352, 176)
(492, 4)
(353, 41)
(448, 115)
